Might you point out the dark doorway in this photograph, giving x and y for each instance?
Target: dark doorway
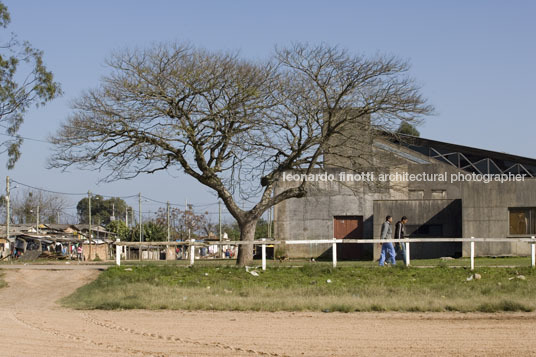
(348, 227)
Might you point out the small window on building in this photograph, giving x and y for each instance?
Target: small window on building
(522, 220)
(437, 194)
(416, 194)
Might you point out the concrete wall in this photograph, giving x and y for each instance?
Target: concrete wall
(442, 212)
(452, 189)
(485, 214)
(484, 208)
(311, 217)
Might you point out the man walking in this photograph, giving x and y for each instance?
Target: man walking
(387, 248)
(400, 233)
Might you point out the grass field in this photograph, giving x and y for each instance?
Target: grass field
(311, 287)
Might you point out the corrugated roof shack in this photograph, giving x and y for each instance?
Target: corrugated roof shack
(16, 242)
(4, 248)
(101, 240)
(54, 241)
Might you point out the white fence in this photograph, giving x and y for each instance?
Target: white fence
(264, 242)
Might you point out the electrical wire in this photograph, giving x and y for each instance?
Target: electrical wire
(45, 190)
(180, 204)
(26, 138)
(110, 196)
(198, 207)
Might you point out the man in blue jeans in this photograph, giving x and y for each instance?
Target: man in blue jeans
(387, 248)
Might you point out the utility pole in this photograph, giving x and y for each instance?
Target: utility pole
(222, 254)
(58, 217)
(139, 225)
(168, 224)
(37, 220)
(187, 220)
(270, 222)
(89, 221)
(139, 206)
(7, 212)
(219, 218)
(126, 217)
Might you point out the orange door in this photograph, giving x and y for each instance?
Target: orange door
(348, 227)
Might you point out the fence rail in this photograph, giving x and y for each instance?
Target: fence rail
(328, 241)
(192, 244)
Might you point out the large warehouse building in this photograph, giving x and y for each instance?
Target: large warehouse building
(439, 186)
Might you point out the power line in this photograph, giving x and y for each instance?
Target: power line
(26, 138)
(70, 193)
(180, 204)
(45, 190)
(197, 206)
(122, 197)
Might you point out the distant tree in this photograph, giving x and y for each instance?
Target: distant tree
(101, 209)
(24, 82)
(185, 222)
(152, 232)
(236, 126)
(262, 229)
(24, 207)
(120, 229)
(408, 129)
(232, 230)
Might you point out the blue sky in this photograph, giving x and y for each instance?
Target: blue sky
(474, 60)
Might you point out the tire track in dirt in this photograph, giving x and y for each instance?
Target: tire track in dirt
(219, 345)
(33, 292)
(55, 332)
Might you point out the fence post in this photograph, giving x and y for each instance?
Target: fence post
(472, 254)
(117, 252)
(533, 251)
(334, 252)
(407, 254)
(263, 251)
(192, 251)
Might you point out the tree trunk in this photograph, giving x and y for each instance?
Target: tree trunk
(245, 251)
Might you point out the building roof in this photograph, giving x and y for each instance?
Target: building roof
(467, 158)
(85, 227)
(52, 230)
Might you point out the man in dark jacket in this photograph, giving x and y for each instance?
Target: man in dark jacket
(400, 233)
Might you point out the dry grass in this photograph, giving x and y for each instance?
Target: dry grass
(309, 288)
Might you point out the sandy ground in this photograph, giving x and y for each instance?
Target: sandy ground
(32, 324)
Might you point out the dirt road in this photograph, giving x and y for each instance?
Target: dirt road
(32, 324)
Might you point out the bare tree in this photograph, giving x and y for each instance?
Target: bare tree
(182, 221)
(25, 203)
(236, 126)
